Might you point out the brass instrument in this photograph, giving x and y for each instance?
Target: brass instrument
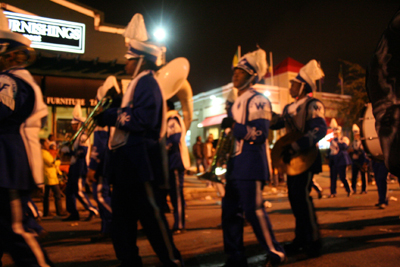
(90, 123)
(300, 162)
(222, 154)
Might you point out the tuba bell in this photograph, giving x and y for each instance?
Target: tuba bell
(172, 79)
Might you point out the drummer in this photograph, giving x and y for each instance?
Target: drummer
(305, 115)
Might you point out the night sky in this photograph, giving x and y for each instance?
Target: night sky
(208, 32)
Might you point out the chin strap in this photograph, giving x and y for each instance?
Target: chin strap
(244, 86)
(301, 89)
(139, 64)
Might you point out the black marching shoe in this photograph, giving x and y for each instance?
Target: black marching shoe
(311, 250)
(269, 262)
(71, 218)
(100, 237)
(178, 231)
(235, 263)
(93, 213)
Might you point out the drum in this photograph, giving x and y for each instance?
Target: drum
(369, 137)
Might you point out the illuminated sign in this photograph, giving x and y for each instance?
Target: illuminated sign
(68, 101)
(49, 34)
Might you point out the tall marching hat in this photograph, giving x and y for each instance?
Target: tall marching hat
(356, 129)
(335, 127)
(110, 88)
(254, 63)
(136, 38)
(77, 114)
(308, 75)
(9, 40)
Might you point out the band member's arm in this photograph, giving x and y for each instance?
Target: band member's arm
(139, 115)
(12, 95)
(277, 122)
(315, 129)
(344, 144)
(255, 131)
(99, 145)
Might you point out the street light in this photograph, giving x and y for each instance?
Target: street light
(160, 34)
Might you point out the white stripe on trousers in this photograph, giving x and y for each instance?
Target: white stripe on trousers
(18, 228)
(263, 222)
(150, 196)
(100, 195)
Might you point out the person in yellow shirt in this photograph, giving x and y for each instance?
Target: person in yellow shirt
(50, 180)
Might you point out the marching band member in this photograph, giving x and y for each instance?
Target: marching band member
(305, 115)
(178, 158)
(339, 158)
(136, 157)
(22, 111)
(359, 161)
(98, 171)
(247, 169)
(382, 84)
(77, 171)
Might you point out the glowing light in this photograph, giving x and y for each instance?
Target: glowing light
(160, 34)
(200, 125)
(212, 97)
(267, 93)
(220, 171)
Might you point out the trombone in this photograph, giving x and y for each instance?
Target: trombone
(222, 154)
(90, 123)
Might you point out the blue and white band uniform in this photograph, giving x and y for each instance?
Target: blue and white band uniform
(307, 116)
(252, 112)
(137, 171)
(339, 159)
(99, 161)
(178, 158)
(22, 111)
(246, 176)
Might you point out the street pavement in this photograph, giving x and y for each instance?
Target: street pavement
(354, 231)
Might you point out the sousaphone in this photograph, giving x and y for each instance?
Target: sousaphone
(299, 162)
(172, 79)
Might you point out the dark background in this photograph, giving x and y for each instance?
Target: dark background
(207, 33)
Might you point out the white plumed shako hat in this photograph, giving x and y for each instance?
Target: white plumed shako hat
(110, 82)
(335, 127)
(10, 40)
(254, 63)
(356, 129)
(136, 38)
(77, 114)
(309, 74)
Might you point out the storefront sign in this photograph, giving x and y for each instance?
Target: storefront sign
(66, 101)
(49, 34)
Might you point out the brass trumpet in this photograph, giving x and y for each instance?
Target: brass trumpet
(222, 154)
(90, 123)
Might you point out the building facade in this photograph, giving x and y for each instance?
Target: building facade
(76, 52)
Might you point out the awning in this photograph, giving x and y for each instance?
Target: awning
(213, 120)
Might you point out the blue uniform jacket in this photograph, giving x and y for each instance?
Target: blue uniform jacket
(97, 153)
(306, 115)
(173, 140)
(142, 119)
(338, 152)
(17, 100)
(252, 113)
(358, 156)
